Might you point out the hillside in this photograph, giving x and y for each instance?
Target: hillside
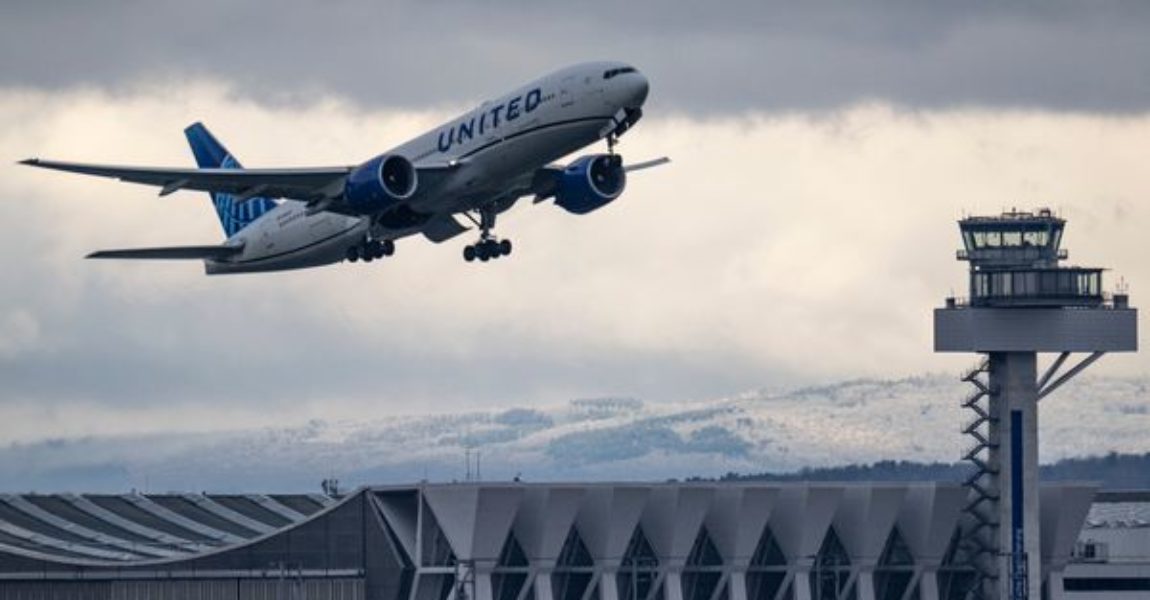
(777, 431)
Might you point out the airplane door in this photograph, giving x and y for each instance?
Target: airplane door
(566, 98)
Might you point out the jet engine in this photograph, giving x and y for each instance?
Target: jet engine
(591, 182)
(380, 183)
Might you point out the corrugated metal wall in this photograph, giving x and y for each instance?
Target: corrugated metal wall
(188, 589)
(101, 590)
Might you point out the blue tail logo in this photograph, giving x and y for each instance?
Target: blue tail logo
(211, 154)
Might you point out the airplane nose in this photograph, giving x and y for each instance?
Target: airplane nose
(638, 91)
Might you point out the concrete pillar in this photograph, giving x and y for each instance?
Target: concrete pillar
(802, 583)
(542, 583)
(483, 586)
(737, 583)
(607, 589)
(865, 583)
(1013, 375)
(928, 585)
(672, 585)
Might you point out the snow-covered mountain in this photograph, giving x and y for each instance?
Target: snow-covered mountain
(859, 421)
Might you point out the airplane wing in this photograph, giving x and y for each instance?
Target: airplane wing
(171, 253)
(306, 184)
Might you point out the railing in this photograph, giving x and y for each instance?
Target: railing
(1073, 287)
(1090, 552)
(1107, 301)
(1015, 255)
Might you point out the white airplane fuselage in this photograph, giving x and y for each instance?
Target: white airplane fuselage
(483, 154)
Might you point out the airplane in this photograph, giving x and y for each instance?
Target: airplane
(477, 165)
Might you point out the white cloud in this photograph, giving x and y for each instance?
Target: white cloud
(778, 248)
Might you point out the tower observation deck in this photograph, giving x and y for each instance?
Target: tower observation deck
(1022, 301)
(1014, 262)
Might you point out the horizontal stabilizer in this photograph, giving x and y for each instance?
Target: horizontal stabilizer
(171, 253)
(647, 164)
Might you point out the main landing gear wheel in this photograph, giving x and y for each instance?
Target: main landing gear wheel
(488, 249)
(370, 250)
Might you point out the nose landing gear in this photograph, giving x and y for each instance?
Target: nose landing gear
(370, 250)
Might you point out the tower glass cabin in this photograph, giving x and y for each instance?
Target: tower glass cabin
(1014, 262)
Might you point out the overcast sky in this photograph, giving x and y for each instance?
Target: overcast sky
(803, 233)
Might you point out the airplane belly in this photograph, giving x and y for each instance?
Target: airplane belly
(311, 245)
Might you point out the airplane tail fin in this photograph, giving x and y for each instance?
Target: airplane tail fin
(211, 154)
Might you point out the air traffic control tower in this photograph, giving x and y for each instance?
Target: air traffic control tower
(1021, 303)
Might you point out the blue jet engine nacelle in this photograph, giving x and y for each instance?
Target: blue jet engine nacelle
(380, 184)
(591, 182)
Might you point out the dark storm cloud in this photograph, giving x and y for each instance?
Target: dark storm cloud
(705, 57)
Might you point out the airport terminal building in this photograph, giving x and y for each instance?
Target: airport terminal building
(518, 541)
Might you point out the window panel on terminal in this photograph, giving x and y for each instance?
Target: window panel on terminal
(767, 552)
(572, 574)
(637, 574)
(510, 571)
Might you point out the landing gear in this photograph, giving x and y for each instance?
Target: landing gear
(488, 247)
(370, 250)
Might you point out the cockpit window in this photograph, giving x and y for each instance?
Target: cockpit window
(608, 74)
